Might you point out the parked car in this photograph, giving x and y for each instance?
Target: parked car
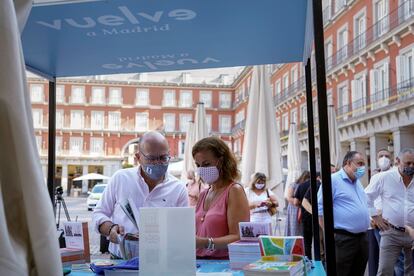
(95, 195)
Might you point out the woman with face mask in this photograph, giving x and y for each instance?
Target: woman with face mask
(223, 205)
(260, 199)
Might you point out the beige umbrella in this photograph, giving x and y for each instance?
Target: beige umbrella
(293, 157)
(261, 149)
(92, 176)
(334, 146)
(28, 237)
(200, 123)
(188, 157)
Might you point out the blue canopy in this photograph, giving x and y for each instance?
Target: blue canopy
(129, 36)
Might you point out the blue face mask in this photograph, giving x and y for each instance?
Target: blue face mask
(359, 172)
(155, 171)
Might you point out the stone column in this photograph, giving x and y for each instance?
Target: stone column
(85, 182)
(402, 138)
(64, 180)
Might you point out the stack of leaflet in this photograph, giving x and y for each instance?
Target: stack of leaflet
(242, 253)
(263, 268)
(247, 250)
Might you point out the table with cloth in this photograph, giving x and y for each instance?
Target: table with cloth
(204, 266)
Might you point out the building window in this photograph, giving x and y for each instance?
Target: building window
(206, 98)
(60, 94)
(329, 53)
(285, 82)
(169, 122)
(278, 87)
(181, 148)
(142, 97)
(96, 146)
(359, 31)
(315, 110)
(343, 102)
(225, 123)
(36, 93)
(76, 119)
(141, 122)
(97, 120)
(294, 77)
(78, 95)
(184, 121)
(406, 9)
(379, 84)
(169, 98)
(98, 95)
(75, 145)
(59, 118)
(303, 114)
(358, 87)
(186, 98)
(239, 116)
(225, 100)
(278, 123)
(208, 120)
(381, 17)
(339, 4)
(342, 53)
(114, 120)
(37, 118)
(59, 145)
(405, 70)
(115, 97)
(285, 122)
(39, 143)
(294, 116)
(237, 146)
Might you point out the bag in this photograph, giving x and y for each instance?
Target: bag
(272, 209)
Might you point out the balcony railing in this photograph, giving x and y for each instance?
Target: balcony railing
(238, 127)
(290, 91)
(383, 26)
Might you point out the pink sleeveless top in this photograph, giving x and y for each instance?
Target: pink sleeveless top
(212, 223)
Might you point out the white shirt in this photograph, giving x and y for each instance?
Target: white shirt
(128, 183)
(258, 214)
(397, 200)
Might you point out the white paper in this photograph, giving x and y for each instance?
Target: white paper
(167, 241)
(73, 234)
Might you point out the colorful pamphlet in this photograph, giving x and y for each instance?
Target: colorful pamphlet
(260, 267)
(289, 245)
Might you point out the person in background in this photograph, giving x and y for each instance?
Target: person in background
(396, 190)
(260, 199)
(351, 216)
(384, 162)
(223, 205)
(410, 231)
(293, 225)
(307, 228)
(149, 185)
(194, 187)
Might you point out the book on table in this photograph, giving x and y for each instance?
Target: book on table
(261, 267)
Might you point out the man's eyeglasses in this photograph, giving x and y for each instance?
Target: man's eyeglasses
(152, 159)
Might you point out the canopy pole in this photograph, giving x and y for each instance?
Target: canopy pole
(312, 161)
(324, 138)
(51, 164)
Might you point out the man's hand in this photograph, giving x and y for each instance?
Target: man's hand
(115, 231)
(381, 223)
(410, 231)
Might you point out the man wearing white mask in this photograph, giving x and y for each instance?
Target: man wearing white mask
(396, 190)
(148, 185)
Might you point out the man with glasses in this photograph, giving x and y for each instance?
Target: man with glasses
(148, 185)
(396, 190)
(351, 216)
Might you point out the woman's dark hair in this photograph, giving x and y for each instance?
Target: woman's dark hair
(228, 169)
(257, 176)
(305, 176)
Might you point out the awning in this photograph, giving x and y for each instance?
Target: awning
(128, 36)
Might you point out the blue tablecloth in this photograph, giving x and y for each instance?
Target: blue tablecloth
(205, 266)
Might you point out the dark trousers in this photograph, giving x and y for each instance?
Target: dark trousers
(373, 259)
(308, 236)
(351, 254)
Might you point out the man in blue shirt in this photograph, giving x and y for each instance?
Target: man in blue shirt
(351, 216)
